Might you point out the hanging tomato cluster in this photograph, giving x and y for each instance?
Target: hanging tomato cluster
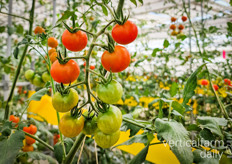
(105, 121)
(32, 129)
(180, 27)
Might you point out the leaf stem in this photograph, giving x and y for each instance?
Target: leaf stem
(17, 16)
(40, 141)
(7, 108)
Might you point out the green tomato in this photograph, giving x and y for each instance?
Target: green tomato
(110, 93)
(69, 126)
(37, 81)
(90, 125)
(64, 103)
(110, 121)
(46, 77)
(29, 74)
(106, 140)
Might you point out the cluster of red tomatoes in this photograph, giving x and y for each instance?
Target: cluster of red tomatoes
(32, 129)
(205, 82)
(105, 126)
(180, 26)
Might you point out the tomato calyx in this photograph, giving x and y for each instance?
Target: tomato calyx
(71, 30)
(60, 88)
(90, 114)
(102, 107)
(120, 18)
(111, 43)
(76, 112)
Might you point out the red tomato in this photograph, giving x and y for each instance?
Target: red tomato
(84, 64)
(227, 81)
(173, 19)
(74, 41)
(27, 129)
(184, 18)
(92, 67)
(173, 27)
(116, 61)
(181, 27)
(29, 140)
(14, 119)
(126, 33)
(33, 129)
(65, 73)
(204, 82)
(215, 87)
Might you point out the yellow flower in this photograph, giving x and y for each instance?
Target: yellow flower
(43, 109)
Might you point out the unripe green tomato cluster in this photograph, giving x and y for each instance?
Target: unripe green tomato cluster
(36, 79)
(108, 131)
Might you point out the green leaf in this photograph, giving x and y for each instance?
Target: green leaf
(141, 138)
(10, 147)
(230, 2)
(177, 45)
(202, 157)
(2, 29)
(166, 43)
(139, 61)
(161, 114)
(134, 2)
(40, 156)
(174, 112)
(154, 52)
(178, 107)
(140, 157)
(193, 127)
(16, 52)
(212, 123)
(65, 16)
(141, 1)
(19, 29)
(126, 126)
(177, 137)
(191, 85)
(104, 10)
(58, 150)
(38, 95)
(173, 90)
(206, 134)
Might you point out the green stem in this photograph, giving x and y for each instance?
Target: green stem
(119, 8)
(7, 109)
(40, 141)
(85, 31)
(75, 57)
(24, 111)
(80, 83)
(17, 16)
(136, 123)
(74, 149)
(57, 113)
(156, 143)
(103, 78)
